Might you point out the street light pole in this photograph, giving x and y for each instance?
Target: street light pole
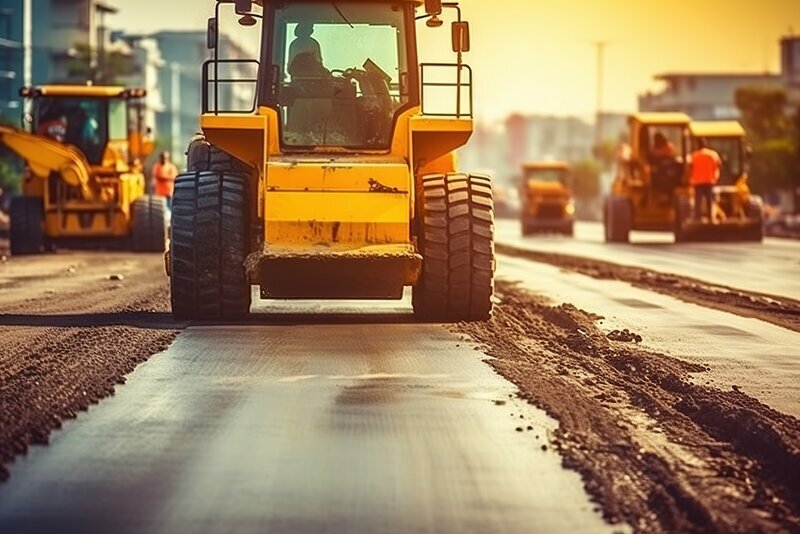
(174, 103)
(601, 49)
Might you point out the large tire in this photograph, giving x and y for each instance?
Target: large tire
(526, 228)
(26, 232)
(617, 219)
(208, 246)
(203, 156)
(148, 223)
(683, 212)
(755, 212)
(456, 237)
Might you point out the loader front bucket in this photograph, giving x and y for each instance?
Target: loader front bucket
(321, 272)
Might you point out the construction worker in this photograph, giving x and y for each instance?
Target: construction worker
(164, 173)
(706, 164)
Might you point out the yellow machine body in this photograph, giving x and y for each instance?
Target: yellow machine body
(82, 199)
(547, 202)
(653, 200)
(735, 212)
(337, 208)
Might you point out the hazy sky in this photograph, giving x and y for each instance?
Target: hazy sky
(538, 56)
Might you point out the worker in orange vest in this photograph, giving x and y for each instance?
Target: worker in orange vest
(706, 164)
(164, 173)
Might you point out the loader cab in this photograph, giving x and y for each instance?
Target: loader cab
(648, 185)
(727, 138)
(328, 95)
(657, 170)
(84, 122)
(100, 121)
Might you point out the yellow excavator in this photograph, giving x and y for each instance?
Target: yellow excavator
(547, 203)
(84, 185)
(338, 179)
(736, 213)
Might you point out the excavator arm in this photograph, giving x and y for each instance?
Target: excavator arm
(45, 156)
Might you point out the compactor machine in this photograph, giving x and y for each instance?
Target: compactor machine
(338, 178)
(736, 213)
(547, 203)
(84, 185)
(651, 190)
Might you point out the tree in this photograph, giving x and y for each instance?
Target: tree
(772, 165)
(763, 111)
(773, 135)
(586, 179)
(605, 153)
(106, 69)
(9, 176)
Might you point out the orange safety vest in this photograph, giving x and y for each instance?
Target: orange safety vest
(705, 167)
(164, 177)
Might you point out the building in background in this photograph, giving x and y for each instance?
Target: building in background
(790, 66)
(183, 54)
(703, 96)
(11, 59)
(148, 64)
(711, 96)
(64, 42)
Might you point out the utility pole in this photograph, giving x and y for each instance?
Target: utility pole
(102, 10)
(601, 49)
(175, 106)
(27, 43)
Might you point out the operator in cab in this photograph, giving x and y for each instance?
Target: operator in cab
(305, 54)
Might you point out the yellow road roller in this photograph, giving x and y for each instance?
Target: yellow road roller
(736, 214)
(547, 203)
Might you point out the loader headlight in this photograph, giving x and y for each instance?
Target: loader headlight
(570, 208)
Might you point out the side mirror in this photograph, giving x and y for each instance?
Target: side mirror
(211, 34)
(243, 7)
(433, 7)
(460, 31)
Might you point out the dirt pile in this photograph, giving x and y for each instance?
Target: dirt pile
(654, 449)
(66, 349)
(781, 311)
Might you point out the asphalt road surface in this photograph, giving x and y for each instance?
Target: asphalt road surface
(770, 267)
(294, 424)
(350, 417)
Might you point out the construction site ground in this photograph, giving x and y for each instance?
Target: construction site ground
(648, 387)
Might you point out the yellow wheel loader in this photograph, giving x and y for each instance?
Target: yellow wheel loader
(338, 179)
(735, 213)
(84, 184)
(648, 186)
(547, 203)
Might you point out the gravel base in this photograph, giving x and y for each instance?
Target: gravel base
(66, 349)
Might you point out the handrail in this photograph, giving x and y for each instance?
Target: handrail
(459, 84)
(216, 81)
